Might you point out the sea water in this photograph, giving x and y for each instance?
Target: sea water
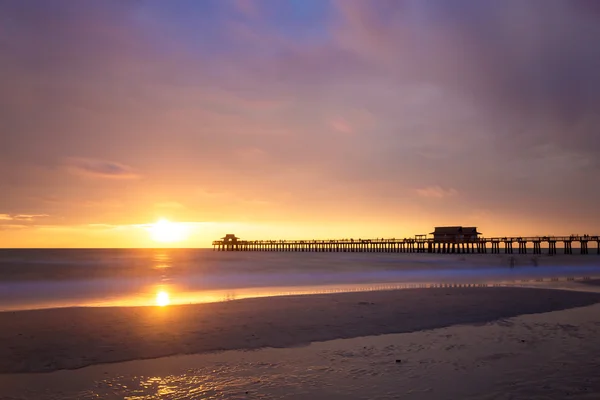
(46, 278)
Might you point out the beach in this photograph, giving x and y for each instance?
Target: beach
(355, 336)
(383, 326)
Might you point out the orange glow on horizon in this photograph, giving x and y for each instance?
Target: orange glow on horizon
(200, 233)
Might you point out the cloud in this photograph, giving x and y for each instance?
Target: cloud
(436, 192)
(341, 125)
(29, 217)
(22, 217)
(100, 168)
(532, 60)
(356, 120)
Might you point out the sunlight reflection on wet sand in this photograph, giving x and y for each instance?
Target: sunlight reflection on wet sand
(166, 294)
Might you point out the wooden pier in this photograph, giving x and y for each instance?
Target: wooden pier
(419, 244)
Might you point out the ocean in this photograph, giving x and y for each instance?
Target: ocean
(48, 278)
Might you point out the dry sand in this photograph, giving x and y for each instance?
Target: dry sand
(553, 355)
(48, 340)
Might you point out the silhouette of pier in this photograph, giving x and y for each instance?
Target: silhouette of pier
(449, 244)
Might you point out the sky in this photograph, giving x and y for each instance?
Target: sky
(277, 119)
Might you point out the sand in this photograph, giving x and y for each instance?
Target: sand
(48, 340)
(554, 355)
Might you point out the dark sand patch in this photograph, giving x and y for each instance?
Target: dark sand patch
(47, 340)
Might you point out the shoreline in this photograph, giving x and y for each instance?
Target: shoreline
(71, 338)
(233, 294)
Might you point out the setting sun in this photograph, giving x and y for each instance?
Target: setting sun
(162, 299)
(165, 231)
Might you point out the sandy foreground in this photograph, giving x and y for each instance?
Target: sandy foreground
(493, 353)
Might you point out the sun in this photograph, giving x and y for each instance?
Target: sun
(164, 231)
(162, 299)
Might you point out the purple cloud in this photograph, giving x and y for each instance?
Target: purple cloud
(100, 168)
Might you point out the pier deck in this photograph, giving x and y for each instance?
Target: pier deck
(491, 245)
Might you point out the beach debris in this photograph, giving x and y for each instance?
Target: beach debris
(398, 361)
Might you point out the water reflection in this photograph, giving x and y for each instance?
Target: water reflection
(169, 295)
(172, 295)
(171, 285)
(162, 264)
(161, 260)
(161, 256)
(162, 294)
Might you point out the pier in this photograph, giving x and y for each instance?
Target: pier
(449, 244)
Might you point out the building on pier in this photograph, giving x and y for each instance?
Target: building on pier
(455, 234)
(230, 239)
(230, 242)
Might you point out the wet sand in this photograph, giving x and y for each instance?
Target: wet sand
(49, 340)
(538, 356)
